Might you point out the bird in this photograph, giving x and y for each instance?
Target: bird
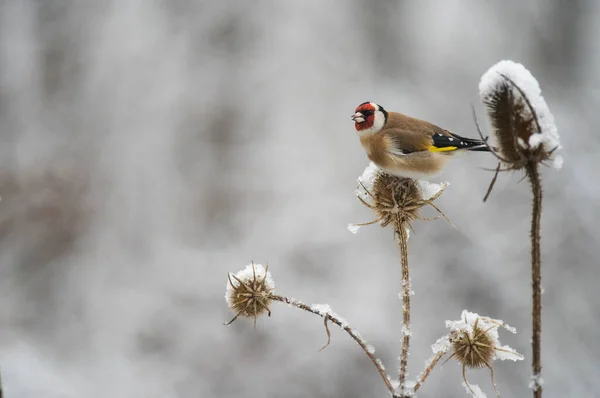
(405, 146)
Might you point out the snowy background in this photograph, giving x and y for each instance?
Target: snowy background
(149, 147)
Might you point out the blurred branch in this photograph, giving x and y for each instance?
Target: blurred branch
(343, 325)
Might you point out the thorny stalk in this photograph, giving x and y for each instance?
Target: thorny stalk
(536, 274)
(397, 201)
(402, 234)
(428, 370)
(359, 340)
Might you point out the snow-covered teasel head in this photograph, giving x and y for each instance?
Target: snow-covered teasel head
(522, 122)
(396, 201)
(369, 118)
(249, 292)
(473, 341)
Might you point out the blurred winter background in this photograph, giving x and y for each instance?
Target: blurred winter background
(149, 147)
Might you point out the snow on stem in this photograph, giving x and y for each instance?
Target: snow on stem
(406, 293)
(324, 311)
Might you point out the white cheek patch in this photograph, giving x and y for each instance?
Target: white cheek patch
(378, 123)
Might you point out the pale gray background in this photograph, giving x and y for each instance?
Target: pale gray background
(149, 147)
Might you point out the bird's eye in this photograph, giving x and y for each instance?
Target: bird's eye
(368, 112)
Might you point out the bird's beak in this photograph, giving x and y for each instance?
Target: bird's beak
(358, 117)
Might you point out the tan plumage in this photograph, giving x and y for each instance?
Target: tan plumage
(406, 146)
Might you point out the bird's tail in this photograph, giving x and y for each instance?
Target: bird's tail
(479, 148)
(472, 144)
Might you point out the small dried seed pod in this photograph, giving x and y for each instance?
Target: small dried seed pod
(395, 200)
(473, 341)
(475, 348)
(249, 292)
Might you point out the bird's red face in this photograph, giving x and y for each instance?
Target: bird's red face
(364, 116)
(369, 118)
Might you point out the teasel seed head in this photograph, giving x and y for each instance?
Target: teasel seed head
(395, 200)
(473, 348)
(249, 292)
(473, 341)
(522, 123)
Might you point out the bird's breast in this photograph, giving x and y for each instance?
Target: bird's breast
(375, 148)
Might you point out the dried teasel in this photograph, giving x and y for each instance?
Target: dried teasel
(473, 341)
(249, 292)
(522, 123)
(473, 348)
(395, 200)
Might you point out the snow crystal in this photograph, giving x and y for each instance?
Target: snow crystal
(406, 330)
(509, 328)
(536, 382)
(427, 365)
(325, 309)
(366, 182)
(370, 349)
(246, 275)
(379, 363)
(409, 387)
(495, 76)
(507, 353)
(429, 190)
(535, 140)
(557, 162)
(353, 228)
(442, 344)
(342, 320)
(322, 309)
(474, 390)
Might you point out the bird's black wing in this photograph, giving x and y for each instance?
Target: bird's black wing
(451, 142)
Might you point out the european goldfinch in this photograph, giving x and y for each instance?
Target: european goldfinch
(405, 146)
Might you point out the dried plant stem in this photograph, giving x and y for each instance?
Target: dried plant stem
(536, 273)
(343, 325)
(428, 370)
(402, 235)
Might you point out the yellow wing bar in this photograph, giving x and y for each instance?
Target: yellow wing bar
(433, 148)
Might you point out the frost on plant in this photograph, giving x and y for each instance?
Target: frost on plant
(537, 381)
(397, 201)
(522, 122)
(326, 312)
(473, 390)
(430, 190)
(366, 182)
(474, 342)
(249, 292)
